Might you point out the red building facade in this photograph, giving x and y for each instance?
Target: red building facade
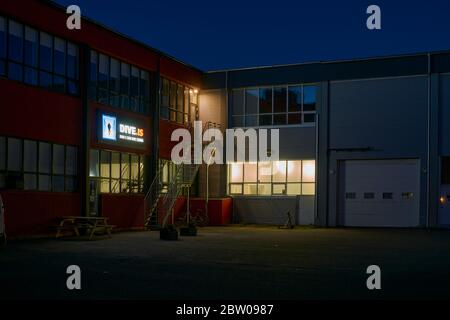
(60, 90)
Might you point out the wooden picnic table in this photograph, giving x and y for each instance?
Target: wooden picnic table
(91, 224)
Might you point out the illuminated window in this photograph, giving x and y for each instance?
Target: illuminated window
(282, 178)
(117, 172)
(237, 172)
(309, 171)
(168, 171)
(250, 172)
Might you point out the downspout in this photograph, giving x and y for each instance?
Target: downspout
(85, 131)
(427, 222)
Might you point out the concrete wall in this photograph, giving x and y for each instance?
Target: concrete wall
(272, 210)
(213, 108)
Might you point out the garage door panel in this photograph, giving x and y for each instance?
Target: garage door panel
(379, 193)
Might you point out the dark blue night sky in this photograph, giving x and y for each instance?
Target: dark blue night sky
(215, 35)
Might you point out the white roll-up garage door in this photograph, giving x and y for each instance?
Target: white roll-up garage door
(379, 193)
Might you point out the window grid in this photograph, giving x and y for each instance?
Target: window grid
(303, 117)
(305, 187)
(109, 182)
(132, 90)
(17, 179)
(33, 73)
(178, 103)
(167, 174)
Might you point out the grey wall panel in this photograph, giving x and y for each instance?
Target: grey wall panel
(298, 143)
(263, 210)
(273, 210)
(320, 71)
(444, 115)
(214, 80)
(387, 115)
(294, 143)
(306, 210)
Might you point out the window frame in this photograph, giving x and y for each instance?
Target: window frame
(38, 174)
(174, 111)
(115, 185)
(36, 75)
(287, 182)
(121, 97)
(245, 117)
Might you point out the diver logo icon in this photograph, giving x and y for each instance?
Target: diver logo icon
(109, 127)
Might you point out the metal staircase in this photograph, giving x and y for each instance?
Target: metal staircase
(160, 199)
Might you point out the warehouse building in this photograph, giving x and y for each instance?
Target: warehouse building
(86, 118)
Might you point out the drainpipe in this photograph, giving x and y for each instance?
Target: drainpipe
(207, 189)
(427, 222)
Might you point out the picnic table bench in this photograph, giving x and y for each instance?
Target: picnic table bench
(91, 224)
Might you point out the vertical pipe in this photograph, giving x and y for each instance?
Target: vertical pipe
(427, 222)
(207, 189)
(188, 214)
(83, 67)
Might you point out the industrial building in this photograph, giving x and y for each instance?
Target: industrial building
(86, 118)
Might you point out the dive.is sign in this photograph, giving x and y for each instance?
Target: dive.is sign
(121, 131)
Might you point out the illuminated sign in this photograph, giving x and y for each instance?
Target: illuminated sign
(109, 128)
(121, 131)
(131, 133)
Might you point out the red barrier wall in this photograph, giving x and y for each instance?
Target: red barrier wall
(33, 213)
(126, 212)
(219, 210)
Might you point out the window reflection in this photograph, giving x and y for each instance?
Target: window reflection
(274, 106)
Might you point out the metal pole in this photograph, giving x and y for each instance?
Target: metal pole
(207, 189)
(188, 214)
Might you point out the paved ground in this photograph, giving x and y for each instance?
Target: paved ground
(233, 263)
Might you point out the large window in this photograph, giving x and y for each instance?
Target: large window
(37, 58)
(274, 106)
(117, 172)
(178, 103)
(288, 178)
(168, 171)
(37, 165)
(118, 84)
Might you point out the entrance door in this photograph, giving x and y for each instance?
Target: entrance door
(93, 197)
(379, 193)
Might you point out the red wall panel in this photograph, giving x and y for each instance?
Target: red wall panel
(165, 132)
(30, 112)
(179, 72)
(124, 211)
(33, 213)
(219, 210)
